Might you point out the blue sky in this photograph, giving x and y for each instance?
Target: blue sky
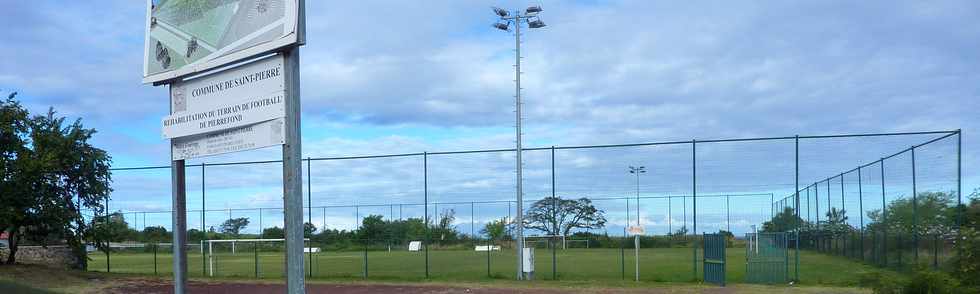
(384, 77)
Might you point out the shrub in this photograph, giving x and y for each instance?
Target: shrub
(932, 282)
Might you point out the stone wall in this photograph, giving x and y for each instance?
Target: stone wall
(55, 256)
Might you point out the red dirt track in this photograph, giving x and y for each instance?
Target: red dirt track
(150, 286)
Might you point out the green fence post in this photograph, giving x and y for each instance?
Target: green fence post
(204, 259)
(861, 208)
(489, 248)
(309, 209)
(694, 198)
(796, 269)
(900, 247)
(155, 258)
(935, 252)
(255, 256)
(843, 245)
(622, 254)
(884, 220)
(554, 256)
(915, 213)
(365, 260)
(425, 193)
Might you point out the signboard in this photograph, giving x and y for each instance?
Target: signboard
(636, 230)
(241, 96)
(260, 135)
(185, 37)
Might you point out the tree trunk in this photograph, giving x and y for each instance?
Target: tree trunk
(12, 242)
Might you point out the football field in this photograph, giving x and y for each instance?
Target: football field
(656, 265)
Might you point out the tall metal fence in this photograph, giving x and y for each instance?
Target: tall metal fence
(907, 207)
(691, 187)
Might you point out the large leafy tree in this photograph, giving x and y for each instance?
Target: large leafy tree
(156, 234)
(50, 174)
(497, 230)
(784, 221)
(836, 222)
(234, 226)
(110, 228)
(444, 230)
(556, 216)
(930, 213)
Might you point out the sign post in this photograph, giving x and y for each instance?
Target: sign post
(233, 71)
(636, 231)
(292, 172)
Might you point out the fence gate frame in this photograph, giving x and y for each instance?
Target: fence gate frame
(767, 258)
(714, 258)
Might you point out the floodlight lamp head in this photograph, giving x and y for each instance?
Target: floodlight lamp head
(536, 24)
(500, 12)
(502, 26)
(533, 9)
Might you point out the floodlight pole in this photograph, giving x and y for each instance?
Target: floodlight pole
(520, 178)
(518, 18)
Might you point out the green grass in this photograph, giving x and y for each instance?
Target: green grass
(11, 287)
(603, 265)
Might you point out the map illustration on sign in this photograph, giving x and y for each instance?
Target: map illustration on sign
(184, 37)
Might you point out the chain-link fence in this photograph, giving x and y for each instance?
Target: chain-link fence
(449, 215)
(899, 211)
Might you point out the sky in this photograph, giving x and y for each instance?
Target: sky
(386, 77)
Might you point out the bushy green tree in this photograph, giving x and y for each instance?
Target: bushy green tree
(444, 230)
(373, 227)
(49, 173)
(156, 234)
(966, 259)
(931, 213)
(308, 229)
(558, 217)
(273, 233)
(234, 226)
(784, 221)
(680, 231)
(836, 223)
(111, 228)
(497, 230)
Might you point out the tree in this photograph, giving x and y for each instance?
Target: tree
(784, 221)
(681, 231)
(308, 229)
(196, 236)
(836, 223)
(556, 216)
(50, 172)
(274, 233)
(113, 228)
(931, 213)
(234, 226)
(445, 230)
(966, 258)
(497, 230)
(156, 234)
(372, 228)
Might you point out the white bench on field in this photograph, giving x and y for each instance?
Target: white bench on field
(487, 248)
(415, 246)
(311, 249)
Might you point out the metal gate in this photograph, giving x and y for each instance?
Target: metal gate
(766, 258)
(714, 259)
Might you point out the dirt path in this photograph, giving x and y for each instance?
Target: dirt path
(158, 286)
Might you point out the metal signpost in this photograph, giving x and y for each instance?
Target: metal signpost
(233, 71)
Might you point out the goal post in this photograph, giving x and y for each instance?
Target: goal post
(213, 248)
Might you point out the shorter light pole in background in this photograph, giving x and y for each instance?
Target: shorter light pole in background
(636, 231)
